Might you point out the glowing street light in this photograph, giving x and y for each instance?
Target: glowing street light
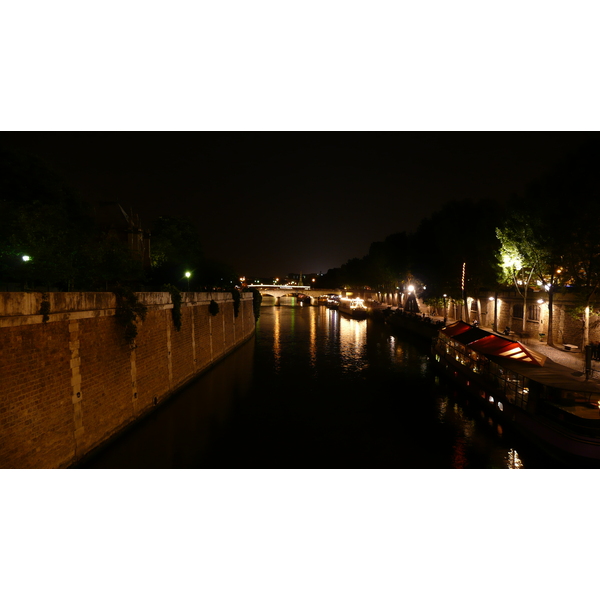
(26, 258)
(188, 275)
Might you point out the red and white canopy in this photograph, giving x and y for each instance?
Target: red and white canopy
(496, 345)
(492, 344)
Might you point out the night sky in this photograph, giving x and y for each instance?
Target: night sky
(270, 204)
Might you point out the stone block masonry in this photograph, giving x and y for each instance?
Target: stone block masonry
(70, 384)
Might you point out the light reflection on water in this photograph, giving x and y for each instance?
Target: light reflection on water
(352, 341)
(459, 456)
(442, 408)
(277, 341)
(513, 460)
(326, 391)
(349, 358)
(313, 338)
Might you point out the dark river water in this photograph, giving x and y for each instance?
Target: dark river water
(316, 389)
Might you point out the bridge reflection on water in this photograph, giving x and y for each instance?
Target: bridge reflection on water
(317, 389)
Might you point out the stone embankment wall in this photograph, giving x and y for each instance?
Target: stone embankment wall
(566, 327)
(69, 384)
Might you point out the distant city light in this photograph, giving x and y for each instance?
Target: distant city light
(26, 258)
(411, 288)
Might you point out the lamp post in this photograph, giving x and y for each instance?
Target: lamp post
(188, 275)
(445, 310)
(494, 299)
(25, 259)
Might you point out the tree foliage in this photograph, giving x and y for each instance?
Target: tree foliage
(462, 232)
(44, 220)
(41, 219)
(177, 248)
(175, 242)
(563, 208)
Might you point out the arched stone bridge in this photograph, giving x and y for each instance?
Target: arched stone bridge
(278, 291)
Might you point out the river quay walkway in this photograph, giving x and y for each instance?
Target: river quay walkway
(574, 359)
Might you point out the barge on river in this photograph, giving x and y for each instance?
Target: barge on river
(544, 401)
(355, 308)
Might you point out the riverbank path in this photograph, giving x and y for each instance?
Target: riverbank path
(573, 359)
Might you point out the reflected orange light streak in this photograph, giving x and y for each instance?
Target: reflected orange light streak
(313, 338)
(277, 340)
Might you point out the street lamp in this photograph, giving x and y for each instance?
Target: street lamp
(409, 303)
(26, 258)
(188, 275)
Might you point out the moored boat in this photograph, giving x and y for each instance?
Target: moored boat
(304, 299)
(353, 307)
(540, 398)
(333, 301)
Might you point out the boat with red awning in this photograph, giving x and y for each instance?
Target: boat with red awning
(542, 399)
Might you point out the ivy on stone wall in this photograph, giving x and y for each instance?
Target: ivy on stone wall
(129, 309)
(237, 298)
(256, 302)
(213, 308)
(176, 300)
(45, 308)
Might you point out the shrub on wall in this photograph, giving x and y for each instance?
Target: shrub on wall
(235, 294)
(256, 302)
(129, 309)
(213, 308)
(45, 308)
(176, 300)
